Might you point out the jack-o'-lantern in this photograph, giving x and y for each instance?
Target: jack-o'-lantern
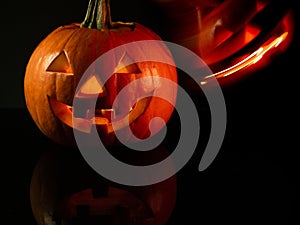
(60, 61)
(64, 190)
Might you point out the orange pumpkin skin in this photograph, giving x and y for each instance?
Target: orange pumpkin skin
(80, 47)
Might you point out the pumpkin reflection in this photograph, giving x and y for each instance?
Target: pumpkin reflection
(64, 190)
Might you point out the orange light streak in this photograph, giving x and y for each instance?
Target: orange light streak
(251, 59)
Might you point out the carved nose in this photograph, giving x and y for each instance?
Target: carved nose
(92, 86)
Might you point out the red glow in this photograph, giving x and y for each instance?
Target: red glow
(250, 33)
(277, 43)
(230, 36)
(231, 45)
(252, 58)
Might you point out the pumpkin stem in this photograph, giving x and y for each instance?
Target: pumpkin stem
(98, 16)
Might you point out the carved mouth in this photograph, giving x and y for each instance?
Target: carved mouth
(102, 117)
(111, 205)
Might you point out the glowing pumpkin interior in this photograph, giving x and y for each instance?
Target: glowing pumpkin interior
(82, 119)
(108, 205)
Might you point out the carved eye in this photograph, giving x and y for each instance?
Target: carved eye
(61, 64)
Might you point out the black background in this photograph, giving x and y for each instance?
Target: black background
(253, 179)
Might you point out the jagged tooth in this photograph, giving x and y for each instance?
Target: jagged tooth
(82, 108)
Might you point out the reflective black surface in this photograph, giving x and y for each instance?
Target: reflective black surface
(254, 178)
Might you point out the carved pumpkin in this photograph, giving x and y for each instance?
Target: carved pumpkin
(64, 190)
(58, 63)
